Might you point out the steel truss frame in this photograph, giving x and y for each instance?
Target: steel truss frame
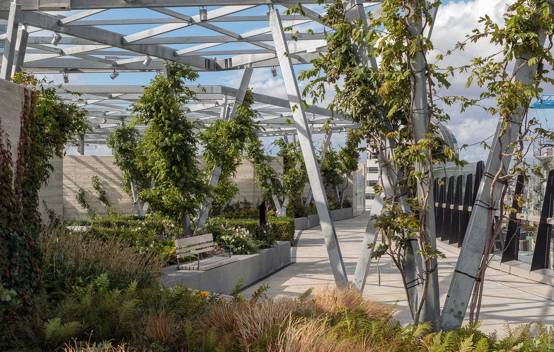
(82, 40)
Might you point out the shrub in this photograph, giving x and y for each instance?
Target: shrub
(238, 240)
(152, 234)
(142, 316)
(277, 229)
(70, 259)
(240, 213)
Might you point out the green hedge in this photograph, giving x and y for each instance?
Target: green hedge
(156, 234)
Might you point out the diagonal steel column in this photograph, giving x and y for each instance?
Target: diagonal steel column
(306, 144)
(421, 121)
(324, 148)
(9, 42)
(216, 172)
(468, 265)
(413, 264)
(388, 180)
(20, 48)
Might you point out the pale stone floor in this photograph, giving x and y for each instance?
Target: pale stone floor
(508, 300)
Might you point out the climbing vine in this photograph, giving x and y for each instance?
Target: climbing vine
(225, 143)
(124, 143)
(47, 125)
(101, 193)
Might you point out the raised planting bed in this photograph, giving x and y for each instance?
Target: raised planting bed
(246, 270)
(313, 220)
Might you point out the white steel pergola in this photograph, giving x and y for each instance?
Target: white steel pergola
(82, 36)
(70, 36)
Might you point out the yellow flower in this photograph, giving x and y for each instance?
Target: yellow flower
(204, 294)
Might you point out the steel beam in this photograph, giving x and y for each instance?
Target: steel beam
(64, 5)
(152, 32)
(102, 36)
(306, 145)
(324, 148)
(9, 42)
(469, 261)
(421, 121)
(20, 48)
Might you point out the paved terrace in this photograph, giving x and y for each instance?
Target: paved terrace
(508, 299)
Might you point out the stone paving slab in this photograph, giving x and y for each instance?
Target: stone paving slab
(508, 300)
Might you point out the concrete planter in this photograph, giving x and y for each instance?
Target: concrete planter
(313, 220)
(248, 268)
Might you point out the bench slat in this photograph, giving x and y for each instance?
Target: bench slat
(197, 249)
(190, 241)
(200, 251)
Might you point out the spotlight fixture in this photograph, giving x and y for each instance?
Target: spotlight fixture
(114, 74)
(147, 60)
(56, 39)
(273, 71)
(203, 13)
(65, 78)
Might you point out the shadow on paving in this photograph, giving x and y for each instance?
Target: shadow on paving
(507, 299)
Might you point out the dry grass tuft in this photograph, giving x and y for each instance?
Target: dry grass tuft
(161, 326)
(305, 335)
(96, 347)
(263, 318)
(335, 301)
(248, 322)
(68, 255)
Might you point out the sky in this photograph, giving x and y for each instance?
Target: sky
(454, 21)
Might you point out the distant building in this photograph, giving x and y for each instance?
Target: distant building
(371, 179)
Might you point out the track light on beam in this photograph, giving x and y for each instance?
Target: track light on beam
(273, 71)
(203, 13)
(147, 60)
(56, 38)
(114, 74)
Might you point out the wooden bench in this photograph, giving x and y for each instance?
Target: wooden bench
(198, 246)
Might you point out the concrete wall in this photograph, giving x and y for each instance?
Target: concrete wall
(11, 106)
(51, 194)
(78, 171)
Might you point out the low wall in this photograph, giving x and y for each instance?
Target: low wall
(313, 220)
(248, 270)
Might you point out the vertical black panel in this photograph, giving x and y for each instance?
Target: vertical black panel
(541, 255)
(511, 245)
(479, 170)
(436, 203)
(466, 213)
(456, 212)
(449, 211)
(440, 210)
